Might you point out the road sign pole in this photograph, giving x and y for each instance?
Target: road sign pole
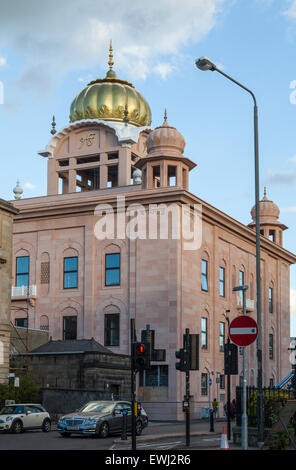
(244, 415)
(187, 390)
(133, 384)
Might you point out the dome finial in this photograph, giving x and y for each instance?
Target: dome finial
(265, 192)
(18, 191)
(165, 115)
(110, 63)
(53, 124)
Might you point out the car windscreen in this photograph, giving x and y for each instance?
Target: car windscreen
(12, 410)
(102, 407)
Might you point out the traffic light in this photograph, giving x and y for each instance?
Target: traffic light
(141, 356)
(231, 353)
(183, 365)
(193, 352)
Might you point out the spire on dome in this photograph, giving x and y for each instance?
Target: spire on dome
(110, 63)
(111, 73)
(53, 124)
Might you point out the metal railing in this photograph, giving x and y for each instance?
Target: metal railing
(271, 395)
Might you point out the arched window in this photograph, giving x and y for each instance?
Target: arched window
(112, 260)
(204, 331)
(111, 326)
(69, 323)
(22, 273)
(271, 298)
(205, 272)
(70, 269)
(44, 323)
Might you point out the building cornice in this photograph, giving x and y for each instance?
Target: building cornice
(85, 203)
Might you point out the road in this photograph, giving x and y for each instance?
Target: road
(158, 436)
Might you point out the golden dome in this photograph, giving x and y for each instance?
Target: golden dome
(111, 99)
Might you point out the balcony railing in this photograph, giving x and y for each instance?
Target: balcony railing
(250, 304)
(24, 291)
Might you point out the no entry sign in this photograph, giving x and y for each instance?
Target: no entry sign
(243, 330)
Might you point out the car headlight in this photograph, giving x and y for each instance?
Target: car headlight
(91, 421)
(61, 421)
(9, 418)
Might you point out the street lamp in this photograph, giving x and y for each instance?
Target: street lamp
(204, 64)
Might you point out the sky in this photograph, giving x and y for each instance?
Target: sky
(49, 51)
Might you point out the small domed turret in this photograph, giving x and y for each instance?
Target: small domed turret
(165, 140)
(269, 211)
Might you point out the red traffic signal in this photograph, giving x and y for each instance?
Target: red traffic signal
(140, 348)
(141, 356)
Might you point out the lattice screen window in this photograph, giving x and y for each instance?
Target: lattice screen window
(45, 272)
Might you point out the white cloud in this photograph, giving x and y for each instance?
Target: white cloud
(293, 159)
(62, 36)
(291, 11)
(293, 302)
(29, 185)
(164, 69)
(3, 61)
(284, 178)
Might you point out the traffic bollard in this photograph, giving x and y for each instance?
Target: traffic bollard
(212, 421)
(124, 425)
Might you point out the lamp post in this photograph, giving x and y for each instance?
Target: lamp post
(204, 63)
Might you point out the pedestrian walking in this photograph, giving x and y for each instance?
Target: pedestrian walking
(232, 409)
(215, 407)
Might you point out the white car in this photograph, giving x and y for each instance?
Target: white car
(18, 418)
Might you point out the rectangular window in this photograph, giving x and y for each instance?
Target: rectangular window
(22, 322)
(271, 352)
(112, 176)
(204, 333)
(222, 382)
(222, 282)
(69, 327)
(204, 275)
(172, 175)
(241, 278)
(112, 269)
(221, 336)
(156, 376)
(204, 384)
(270, 299)
(71, 272)
(156, 176)
(271, 235)
(112, 329)
(271, 383)
(22, 271)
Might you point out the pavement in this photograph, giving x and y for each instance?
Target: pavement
(175, 429)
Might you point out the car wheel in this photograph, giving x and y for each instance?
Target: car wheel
(139, 428)
(17, 427)
(46, 425)
(65, 434)
(104, 430)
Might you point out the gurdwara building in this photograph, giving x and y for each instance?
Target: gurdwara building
(107, 245)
